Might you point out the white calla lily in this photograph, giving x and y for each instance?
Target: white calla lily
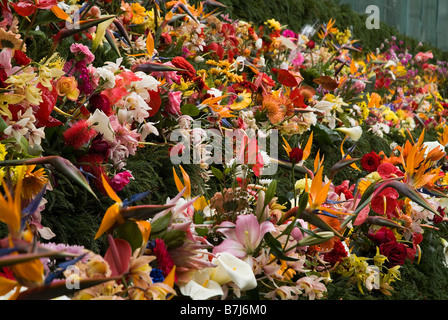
(354, 133)
(206, 283)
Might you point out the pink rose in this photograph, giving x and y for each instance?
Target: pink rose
(173, 105)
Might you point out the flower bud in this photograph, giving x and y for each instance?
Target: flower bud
(312, 240)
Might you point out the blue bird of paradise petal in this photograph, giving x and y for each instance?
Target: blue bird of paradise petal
(226, 123)
(325, 213)
(60, 268)
(6, 251)
(134, 198)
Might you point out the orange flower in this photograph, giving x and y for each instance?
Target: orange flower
(277, 107)
(68, 86)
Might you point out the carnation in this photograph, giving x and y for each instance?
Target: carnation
(83, 52)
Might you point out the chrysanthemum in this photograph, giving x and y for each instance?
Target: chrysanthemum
(10, 40)
(277, 107)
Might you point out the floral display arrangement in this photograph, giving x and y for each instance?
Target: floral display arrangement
(274, 217)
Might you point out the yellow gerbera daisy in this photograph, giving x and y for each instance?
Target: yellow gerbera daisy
(242, 101)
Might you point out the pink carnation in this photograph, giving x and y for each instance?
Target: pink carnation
(88, 56)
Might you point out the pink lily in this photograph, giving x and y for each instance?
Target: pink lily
(244, 236)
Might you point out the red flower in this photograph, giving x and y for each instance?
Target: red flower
(79, 134)
(385, 202)
(295, 155)
(439, 218)
(383, 235)
(181, 63)
(395, 252)
(21, 58)
(164, 261)
(102, 102)
(26, 8)
(3, 77)
(336, 254)
(387, 170)
(370, 161)
(311, 44)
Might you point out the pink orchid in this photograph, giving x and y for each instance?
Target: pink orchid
(244, 236)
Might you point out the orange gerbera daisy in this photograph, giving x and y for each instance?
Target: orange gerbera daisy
(277, 107)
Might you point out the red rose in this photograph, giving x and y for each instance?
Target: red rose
(383, 235)
(395, 252)
(3, 77)
(370, 161)
(295, 155)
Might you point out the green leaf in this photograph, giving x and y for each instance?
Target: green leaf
(130, 232)
(189, 110)
(217, 173)
(270, 192)
(174, 238)
(100, 33)
(276, 248)
(160, 224)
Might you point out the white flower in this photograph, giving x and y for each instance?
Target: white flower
(101, 123)
(148, 128)
(107, 76)
(354, 133)
(206, 283)
(17, 129)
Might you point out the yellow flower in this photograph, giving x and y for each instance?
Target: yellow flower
(68, 86)
(274, 24)
(242, 101)
(138, 13)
